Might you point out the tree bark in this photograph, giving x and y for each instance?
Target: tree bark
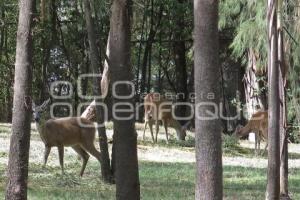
(125, 136)
(273, 184)
(283, 110)
(208, 132)
(137, 76)
(255, 98)
(100, 115)
(9, 98)
(179, 50)
(20, 138)
(147, 52)
(45, 52)
(2, 32)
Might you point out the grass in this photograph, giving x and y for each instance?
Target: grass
(161, 181)
(158, 180)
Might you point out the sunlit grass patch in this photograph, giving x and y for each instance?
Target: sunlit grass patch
(166, 181)
(163, 180)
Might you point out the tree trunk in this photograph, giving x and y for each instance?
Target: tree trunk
(208, 132)
(9, 96)
(125, 136)
(95, 63)
(159, 78)
(283, 110)
(254, 98)
(283, 137)
(179, 50)
(45, 52)
(137, 76)
(20, 138)
(147, 52)
(274, 119)
(2, 32)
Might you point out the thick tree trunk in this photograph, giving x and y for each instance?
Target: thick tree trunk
(208, 131)
(179, 50)
(283, 110)
(255, 99)
(125, 136)
(274, 106)
(283, 140)
(95, 62)
(20, 138)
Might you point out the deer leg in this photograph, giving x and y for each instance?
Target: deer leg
(265, 148)
(61, 157)
(256, 142)
(151, 130)
(166, 130)
(84, 155)
(89, 147)
(145, 126)
(46, 154)
(156, 129)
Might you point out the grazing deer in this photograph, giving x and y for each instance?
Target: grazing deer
(157, 108)
(258, 124)
(79, 133)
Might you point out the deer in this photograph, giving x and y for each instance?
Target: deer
(258, 124)
(157, 109)
(75, 132)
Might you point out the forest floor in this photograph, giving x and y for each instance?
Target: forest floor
(166, 171)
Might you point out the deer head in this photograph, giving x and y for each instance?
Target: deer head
(38, 110)
(238, 131)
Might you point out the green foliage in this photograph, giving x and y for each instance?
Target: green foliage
(292, 56)
(228, 10)
(248, 18)
(229, 141)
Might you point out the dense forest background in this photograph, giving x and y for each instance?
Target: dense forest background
(162, 52)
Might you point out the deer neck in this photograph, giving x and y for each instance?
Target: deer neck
(176, 125)
(245, 130)
(40, 126)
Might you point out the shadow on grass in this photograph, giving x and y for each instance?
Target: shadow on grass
(163, 181)
(173, 142)
(294, 156)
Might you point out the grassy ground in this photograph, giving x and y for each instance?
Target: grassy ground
(159, 180)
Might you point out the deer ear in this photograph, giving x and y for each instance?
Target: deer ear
(106, 75)
(186, 125)
(33, 106)
(45, 104)
(104, 83)
(238, 128)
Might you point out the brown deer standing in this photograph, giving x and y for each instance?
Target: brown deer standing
(157, 109)
(76, 132)
(258, 124)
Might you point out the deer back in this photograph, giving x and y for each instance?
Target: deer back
(67, 131)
